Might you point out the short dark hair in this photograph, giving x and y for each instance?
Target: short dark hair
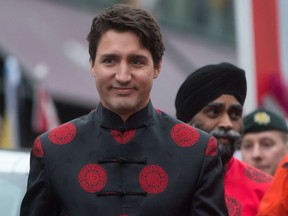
(122, 17)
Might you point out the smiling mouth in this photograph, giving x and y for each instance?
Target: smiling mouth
(123, 91)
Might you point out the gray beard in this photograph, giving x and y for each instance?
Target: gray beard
(226, 150)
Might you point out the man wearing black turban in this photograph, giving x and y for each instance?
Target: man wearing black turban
(212, 99)
(206, 84)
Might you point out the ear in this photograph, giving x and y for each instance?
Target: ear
(92, 68)
(157, 69)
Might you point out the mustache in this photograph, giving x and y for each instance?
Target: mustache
(226, 151)
(230, 134)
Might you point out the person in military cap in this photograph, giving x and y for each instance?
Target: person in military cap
(265, 140)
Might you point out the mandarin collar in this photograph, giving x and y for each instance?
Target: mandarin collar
(111, 120)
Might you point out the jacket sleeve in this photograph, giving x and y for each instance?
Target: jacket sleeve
(38, 200)
(209, 198)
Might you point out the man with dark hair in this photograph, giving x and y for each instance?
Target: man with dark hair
(125, 158)
(212, 99)
(265, 140)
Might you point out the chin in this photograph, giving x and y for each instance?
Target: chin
(122, 104)
(226, 152)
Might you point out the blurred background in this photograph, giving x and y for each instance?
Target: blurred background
(44, 63)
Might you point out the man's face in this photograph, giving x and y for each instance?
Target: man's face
(264, 150)
(124, 72)
(221, 118)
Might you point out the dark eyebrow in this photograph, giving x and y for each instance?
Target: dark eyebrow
(237, 107)
(104, 56)
(137, 56)
(215, 105)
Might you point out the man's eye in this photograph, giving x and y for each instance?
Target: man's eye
(107, 61)
(137, 62)
(246, 146)
(267, 144)
(236, 115)
(212, 113)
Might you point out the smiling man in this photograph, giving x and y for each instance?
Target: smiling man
(212, 99)
(125, 158)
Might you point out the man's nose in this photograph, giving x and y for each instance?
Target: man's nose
(256, 152)
(225, 122)
(123, 74)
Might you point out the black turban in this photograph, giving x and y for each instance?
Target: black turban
(207, 84)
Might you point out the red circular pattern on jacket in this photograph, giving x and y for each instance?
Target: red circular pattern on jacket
(234, 207)
(37, 148)
(257, 175)
(63, 134)
(212, 147)
(92, 178)
(184, 135)
(123, 215)
(153, 179)
(123, 137)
